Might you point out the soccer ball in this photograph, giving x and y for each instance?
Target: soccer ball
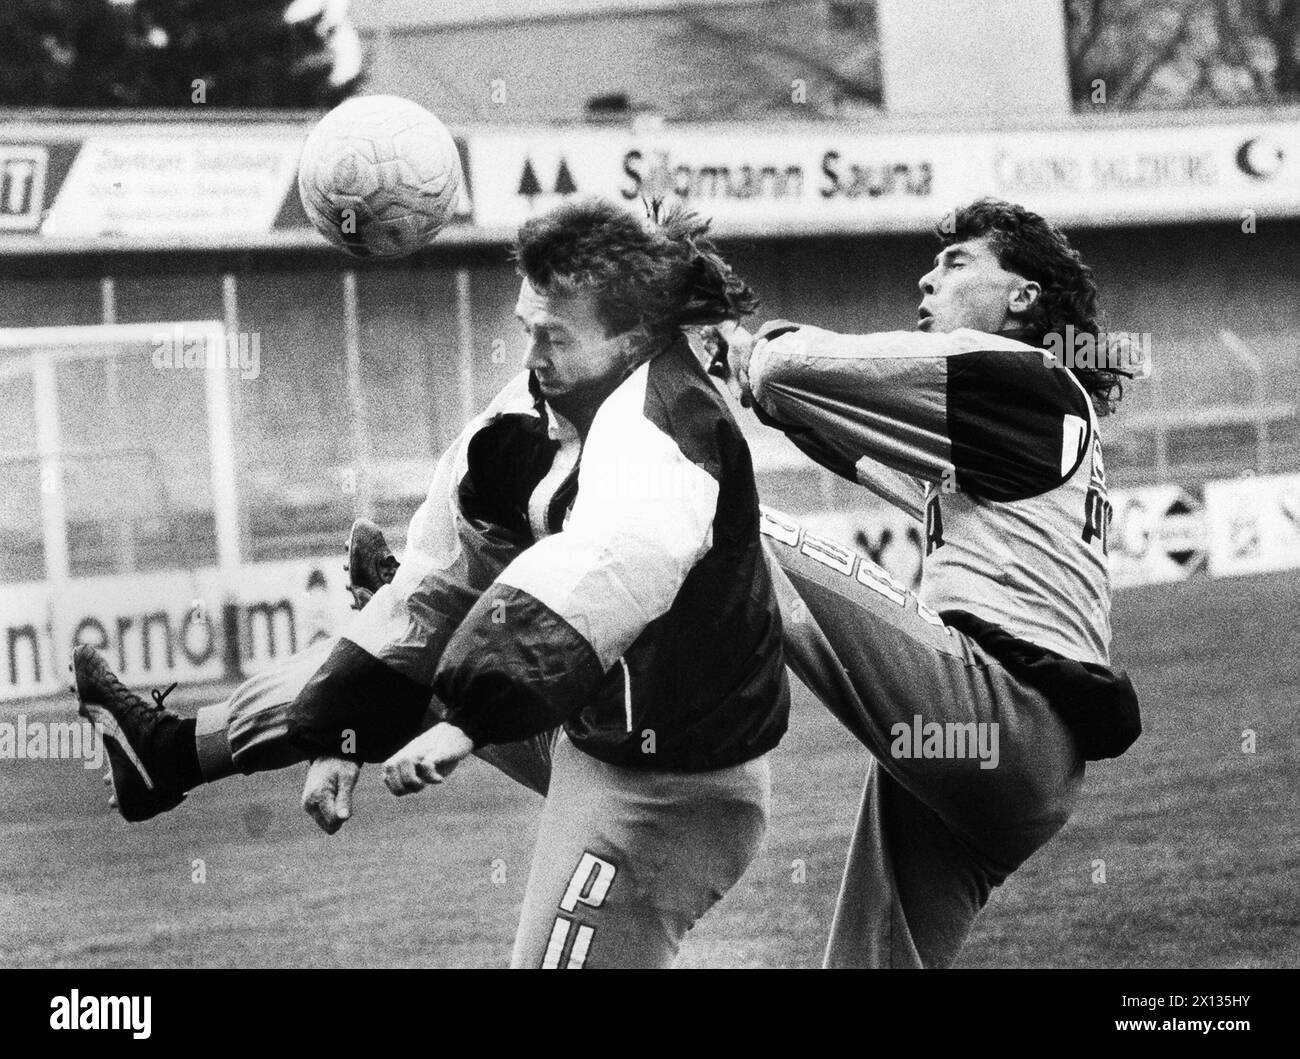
(379, 176)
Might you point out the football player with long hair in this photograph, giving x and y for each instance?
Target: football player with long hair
(981, 696)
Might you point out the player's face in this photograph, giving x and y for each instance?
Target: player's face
(969, 288)
(568, 350)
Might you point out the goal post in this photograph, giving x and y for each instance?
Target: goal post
(193, 345)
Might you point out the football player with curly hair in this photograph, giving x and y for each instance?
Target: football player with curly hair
(981, 696)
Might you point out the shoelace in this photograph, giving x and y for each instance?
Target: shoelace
(158, 696)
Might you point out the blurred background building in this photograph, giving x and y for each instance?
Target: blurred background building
(147, 159)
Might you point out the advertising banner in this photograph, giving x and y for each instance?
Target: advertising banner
(833, 179)
(1157, 535)
(203, 183)
(1253, 524)
(168, 626)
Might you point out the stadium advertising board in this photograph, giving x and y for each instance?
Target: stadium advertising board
(174, 625)
(1157, 535)
(164, 186)
(192, 184)
(1253, 524)
(743, 179)
(22, 186)
(142, 185)
(840, 179)
(1151, 174)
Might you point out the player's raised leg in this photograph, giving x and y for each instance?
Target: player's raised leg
(156, 756)
(973, 770)
(979, 746)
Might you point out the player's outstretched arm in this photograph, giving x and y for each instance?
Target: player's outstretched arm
(965, 410)
(732, 349)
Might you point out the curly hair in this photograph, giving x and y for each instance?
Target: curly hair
(658, 273)
(1037, 250)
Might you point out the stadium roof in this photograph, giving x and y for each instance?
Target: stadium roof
(501, 61)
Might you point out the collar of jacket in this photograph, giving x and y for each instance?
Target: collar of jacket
(558, 428)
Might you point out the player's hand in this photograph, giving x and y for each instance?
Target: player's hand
(740, 347)
(327, 794)
(428, 758)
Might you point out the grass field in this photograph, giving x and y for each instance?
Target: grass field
(1199, 841)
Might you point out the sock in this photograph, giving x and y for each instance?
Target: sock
(176, 754)
(212, 742)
